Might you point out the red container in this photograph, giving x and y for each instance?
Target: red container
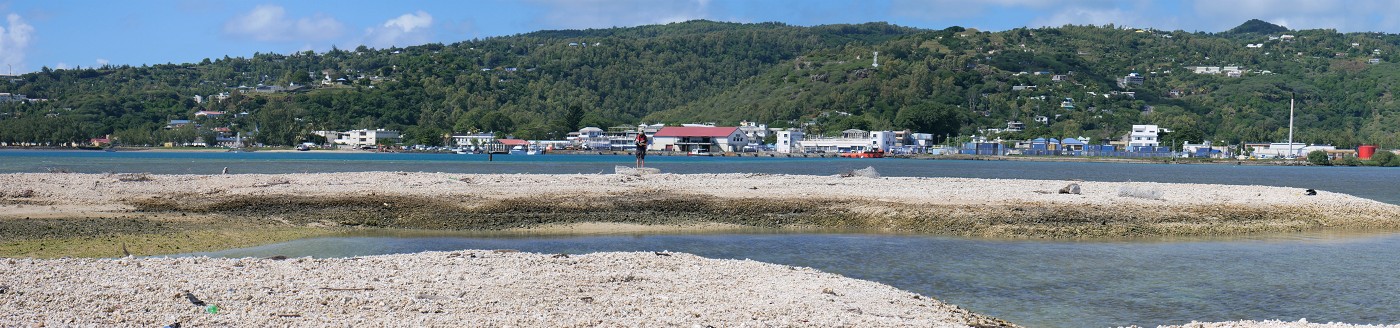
(1365, 151)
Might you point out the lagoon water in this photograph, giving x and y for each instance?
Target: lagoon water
(1031, 283)
(1378, 183)
(1320, 277)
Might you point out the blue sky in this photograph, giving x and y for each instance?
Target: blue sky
(88, 33)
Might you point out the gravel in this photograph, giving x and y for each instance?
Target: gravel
(463, 288)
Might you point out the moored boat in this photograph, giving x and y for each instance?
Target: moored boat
(876, 153)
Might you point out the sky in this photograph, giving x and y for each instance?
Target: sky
(68, 34)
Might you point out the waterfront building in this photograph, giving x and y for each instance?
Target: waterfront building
(367, 138)
(1143, 136)
(789, 141)
(851, 141)
(710, 138)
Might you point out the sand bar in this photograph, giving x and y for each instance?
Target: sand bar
(445, 201)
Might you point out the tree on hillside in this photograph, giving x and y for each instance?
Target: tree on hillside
(937, 119)
(1180, 135)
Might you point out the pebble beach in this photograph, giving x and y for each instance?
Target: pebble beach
(477, 288)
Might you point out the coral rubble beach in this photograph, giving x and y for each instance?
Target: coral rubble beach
(112, 215)
(450, 289)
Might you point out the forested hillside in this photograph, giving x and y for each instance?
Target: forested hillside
(948, 82)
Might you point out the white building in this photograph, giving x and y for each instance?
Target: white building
(755, 132)
(789, 141)
(1287, 150)
(366, 137)
(883, 140)
(1143, 135)
(476, 139)
(591, 137)
(687, 138)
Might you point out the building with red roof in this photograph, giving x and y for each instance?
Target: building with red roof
(711, 138)
(504, 146)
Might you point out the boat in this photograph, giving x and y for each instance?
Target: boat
(875, 153)
(303, 148)
(698, 152)
(464, 151)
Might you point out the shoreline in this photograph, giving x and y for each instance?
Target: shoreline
(954, 157)
(104, 215)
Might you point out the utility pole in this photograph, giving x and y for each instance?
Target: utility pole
(1290, 125)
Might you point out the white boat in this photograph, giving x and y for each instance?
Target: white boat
(699, 152)
(517, 150)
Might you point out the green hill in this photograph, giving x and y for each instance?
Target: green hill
(950, 82)
(1255, 26)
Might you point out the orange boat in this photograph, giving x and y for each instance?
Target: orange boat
(865, 154)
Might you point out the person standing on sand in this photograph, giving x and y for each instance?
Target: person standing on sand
(641, 149)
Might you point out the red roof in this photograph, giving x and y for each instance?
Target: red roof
(696, 131)
(514, 142)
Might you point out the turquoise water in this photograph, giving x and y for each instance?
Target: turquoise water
(1376, 183)
(1036, 284)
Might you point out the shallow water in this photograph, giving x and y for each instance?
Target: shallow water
(1376, 183)
(1036, 284)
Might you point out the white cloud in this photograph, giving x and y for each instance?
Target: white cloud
(61, 65)
(270, 23)
(410, 22)
(407, 29)
(102, 62)
(581, 14)
(14, 42)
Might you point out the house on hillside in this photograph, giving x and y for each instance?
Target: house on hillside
(175, 124)
(687, 138)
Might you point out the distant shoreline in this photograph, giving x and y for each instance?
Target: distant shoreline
(1153, 160)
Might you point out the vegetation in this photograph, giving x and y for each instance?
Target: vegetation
(946, 82)
(1318, 157)
(1384, 158)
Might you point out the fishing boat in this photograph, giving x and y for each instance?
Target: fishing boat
(875, 153)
